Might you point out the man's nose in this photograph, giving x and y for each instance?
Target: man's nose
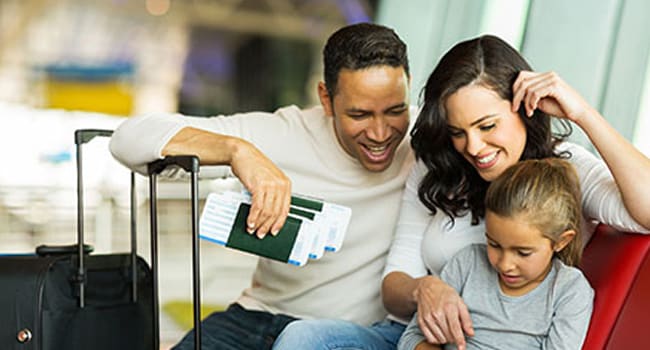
(378, 130)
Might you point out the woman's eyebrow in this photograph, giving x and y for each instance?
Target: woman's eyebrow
(481, 119)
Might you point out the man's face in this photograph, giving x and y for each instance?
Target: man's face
(371, 113)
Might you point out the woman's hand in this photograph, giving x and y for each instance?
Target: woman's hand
(442, 315)
(552, 95)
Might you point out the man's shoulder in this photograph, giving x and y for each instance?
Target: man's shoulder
(297, 112)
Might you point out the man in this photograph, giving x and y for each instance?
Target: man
(350, 150)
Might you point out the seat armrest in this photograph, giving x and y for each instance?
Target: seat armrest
(616, 264)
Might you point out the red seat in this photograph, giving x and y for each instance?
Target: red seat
(617, 266)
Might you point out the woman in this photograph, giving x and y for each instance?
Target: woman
(484, 110)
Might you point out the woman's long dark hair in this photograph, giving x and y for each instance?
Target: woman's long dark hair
(451, 183)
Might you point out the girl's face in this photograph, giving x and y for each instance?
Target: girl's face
(519, 253)
(485, 130)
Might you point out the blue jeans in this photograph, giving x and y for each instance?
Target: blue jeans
(338, 334)
(237, 328)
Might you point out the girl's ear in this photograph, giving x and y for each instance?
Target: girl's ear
(565, 238)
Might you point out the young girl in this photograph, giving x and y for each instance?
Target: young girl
(522, 289)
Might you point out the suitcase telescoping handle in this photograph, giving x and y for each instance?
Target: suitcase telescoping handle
(82, 136)
(191, 165)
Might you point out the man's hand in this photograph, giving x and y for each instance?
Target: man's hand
(269, 186)
(442, 315)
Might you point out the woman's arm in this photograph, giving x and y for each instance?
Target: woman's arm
(549, 93)
(407, 287)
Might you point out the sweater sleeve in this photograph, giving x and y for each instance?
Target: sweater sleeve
(601, 199)
(139, 140)
(405, 254)
(572, 312)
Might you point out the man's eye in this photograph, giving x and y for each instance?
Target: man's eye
(397, 112)
(357, 116)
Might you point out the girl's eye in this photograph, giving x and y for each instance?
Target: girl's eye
(524, 253)
(487, 127)
(493, 244)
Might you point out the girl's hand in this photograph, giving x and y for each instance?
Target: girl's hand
(442, 315)
(552, 95)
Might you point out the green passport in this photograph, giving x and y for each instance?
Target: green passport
(274, 247)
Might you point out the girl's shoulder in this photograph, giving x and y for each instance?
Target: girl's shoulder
(571, 281)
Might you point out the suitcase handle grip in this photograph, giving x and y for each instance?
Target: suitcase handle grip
(47, 250)
(82, 136)
(187, 163)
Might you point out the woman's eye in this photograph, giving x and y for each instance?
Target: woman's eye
(524, 253)
(487, 127)
(455, 133)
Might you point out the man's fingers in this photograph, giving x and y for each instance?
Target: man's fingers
(252, 222)
(285, 204)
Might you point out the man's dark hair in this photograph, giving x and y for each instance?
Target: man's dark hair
(361, 46)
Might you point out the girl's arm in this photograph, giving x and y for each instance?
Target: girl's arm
(548, 92)
(413, 339)
(572, 314)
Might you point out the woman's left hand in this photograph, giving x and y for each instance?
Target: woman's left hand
(548, 92)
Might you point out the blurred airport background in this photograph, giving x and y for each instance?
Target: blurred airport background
(116, 58)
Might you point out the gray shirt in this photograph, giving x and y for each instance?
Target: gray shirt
(554, 315)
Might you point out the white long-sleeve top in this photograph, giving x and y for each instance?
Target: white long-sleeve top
(423, 243)
(303, 144)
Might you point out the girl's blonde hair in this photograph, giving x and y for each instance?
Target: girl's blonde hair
(545, 193)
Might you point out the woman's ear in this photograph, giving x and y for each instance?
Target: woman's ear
(565, 238)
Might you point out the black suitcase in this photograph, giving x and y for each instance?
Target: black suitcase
(66, 298)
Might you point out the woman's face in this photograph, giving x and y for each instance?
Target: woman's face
(485, 130)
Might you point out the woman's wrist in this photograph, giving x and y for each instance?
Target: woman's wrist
(422, 284)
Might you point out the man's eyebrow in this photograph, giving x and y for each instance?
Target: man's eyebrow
(361, 110)
(399, 105)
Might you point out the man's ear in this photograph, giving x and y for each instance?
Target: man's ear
(565, 238)
(325, 99)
